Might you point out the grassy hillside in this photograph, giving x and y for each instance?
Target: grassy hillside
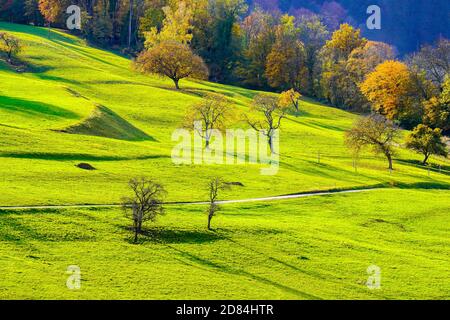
(75, 103)
(65, 82)
(317, 248)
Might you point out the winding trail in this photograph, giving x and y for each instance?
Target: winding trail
(275, 198)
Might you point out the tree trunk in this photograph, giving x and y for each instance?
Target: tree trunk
(389, 157)
(425, 161)
(270, 141)
(209, 222)
(91, 7)
(136, 232)
(139, 222)
(130, 24)
(311, 81)
(177, 85)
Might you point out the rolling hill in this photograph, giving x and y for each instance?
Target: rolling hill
(73, 103)
(130, 133)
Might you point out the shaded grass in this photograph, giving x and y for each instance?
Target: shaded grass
(105, 123)
(35, 109)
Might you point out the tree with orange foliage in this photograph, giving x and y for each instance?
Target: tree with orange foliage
(173, 60)
(389, 89)
(285, 67)
(50, 9)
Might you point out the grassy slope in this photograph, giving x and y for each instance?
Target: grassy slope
(105, 123)
(315, 248)
(299, 249)
(69, 79)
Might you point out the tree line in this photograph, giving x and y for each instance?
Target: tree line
(226, 41)
(294, 54)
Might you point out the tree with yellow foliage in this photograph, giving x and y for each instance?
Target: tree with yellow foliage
(10, 45)
(291, 98)
(337, 82)
(176, 26)
(343, 42)
(213, 112)
(286, 62)
(389, 89)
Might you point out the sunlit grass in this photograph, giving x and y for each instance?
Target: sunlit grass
(314, 248)
(69, 79)
(300, 249)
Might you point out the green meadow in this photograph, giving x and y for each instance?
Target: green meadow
(73, 103)
(314, 248)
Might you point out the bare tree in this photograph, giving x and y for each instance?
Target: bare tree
(434, 60)
(10, 45)
(374, 131)
(146, 204)
(215, 186)
(213, 112)
(273, 113)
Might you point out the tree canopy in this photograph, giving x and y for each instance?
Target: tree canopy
(173, 60)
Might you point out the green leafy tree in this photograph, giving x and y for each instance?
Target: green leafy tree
(217, 35)
(153, 16)
(437, 109)
(426, 141)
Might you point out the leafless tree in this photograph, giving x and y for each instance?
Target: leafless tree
(215, 185)
(273, 113)
(374, 131)
(434, 60)
(146, 203)
(213, 112)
